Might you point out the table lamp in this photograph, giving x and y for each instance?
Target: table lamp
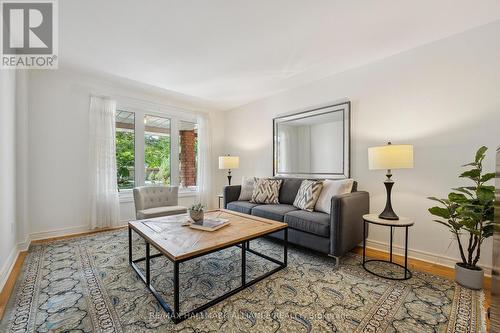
(229, 162)
(390, 157)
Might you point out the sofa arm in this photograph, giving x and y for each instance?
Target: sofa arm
(231, 193)
(346, 221)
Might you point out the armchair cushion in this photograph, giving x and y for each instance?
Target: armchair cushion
(160, 211)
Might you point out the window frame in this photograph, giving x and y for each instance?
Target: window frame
(175, 115)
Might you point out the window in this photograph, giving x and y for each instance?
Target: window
(157, 150)
(188, 155)
(125, 149)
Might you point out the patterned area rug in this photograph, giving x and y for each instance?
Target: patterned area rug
(86, 285)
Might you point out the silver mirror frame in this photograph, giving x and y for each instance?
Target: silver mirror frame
(345, 108)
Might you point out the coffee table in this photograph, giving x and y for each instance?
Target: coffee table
(180, 243)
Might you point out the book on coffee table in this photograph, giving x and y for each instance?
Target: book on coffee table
(210, 224)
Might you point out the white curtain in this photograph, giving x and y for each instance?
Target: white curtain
(104, 201)
(204, 176)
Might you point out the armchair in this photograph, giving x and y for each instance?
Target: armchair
(156, 201)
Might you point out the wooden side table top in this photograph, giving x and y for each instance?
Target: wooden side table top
(402, 222)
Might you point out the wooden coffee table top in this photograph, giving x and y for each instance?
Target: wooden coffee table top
(182, 242)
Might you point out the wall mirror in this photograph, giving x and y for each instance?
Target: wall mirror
(313, 144)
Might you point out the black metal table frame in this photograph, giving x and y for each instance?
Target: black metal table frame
(175, 312)
(408, 273)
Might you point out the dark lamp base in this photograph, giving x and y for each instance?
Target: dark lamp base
(388, 213)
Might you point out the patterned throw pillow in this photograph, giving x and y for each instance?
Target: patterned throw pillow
(308, 194)
(247, 186)
(266, 191)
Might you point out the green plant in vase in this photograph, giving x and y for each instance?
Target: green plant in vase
(196, 212)
(468, 214)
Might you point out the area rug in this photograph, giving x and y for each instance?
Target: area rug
(85, 284)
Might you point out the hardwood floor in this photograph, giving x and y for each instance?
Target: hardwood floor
(11, 281)
(414, 264)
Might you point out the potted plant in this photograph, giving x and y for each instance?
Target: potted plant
(468, 214)
(196, 212)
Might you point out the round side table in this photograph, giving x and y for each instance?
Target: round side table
(403, 222)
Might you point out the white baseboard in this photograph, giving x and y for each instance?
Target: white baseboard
(8, 266)
(420, 255)
(58, 232)
(25, 245)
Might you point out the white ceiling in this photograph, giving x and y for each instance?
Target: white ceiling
(230, 52)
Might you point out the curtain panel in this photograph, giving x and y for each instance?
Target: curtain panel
(104, 199)
(204, 177)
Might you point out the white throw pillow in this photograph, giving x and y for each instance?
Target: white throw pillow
(247, 185)
(330, 189)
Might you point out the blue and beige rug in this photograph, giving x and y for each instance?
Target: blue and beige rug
(86, 285)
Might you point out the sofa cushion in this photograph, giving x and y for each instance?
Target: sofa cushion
(247, 185)
(241, 206)
(273, 212)
(312, 222)
(330, 189)
(266, 191)
(308, 194)
(160, 211)
(289, 189)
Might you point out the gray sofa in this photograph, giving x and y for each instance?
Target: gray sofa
(333, 234)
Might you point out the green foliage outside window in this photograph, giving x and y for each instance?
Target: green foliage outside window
(157, 158)
(156, 154)
(125, 159)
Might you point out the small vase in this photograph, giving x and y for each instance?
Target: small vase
(196, 215)
(469, 278)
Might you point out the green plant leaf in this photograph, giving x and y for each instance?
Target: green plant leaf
(488, 230)
(439, 211)
(487, 176)
(463, 190)
(443, 201)
(485, 194)
(457, 197)
(480, 153)
(443, 223)
(473, 174)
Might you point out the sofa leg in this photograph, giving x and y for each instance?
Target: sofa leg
(337, 260)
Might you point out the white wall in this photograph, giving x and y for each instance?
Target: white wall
(8, 228)
(58, 145)
(22, 155)
(443, 98)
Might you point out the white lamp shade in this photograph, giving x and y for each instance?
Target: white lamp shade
(229, 162)
(390, 157)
